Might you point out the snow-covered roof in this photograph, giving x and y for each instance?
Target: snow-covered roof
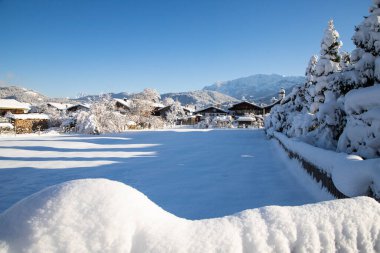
(158, 105)
(245, 119)
(60, 106)
(127, 103)
(246, 103)
(6, 125)
(13, 104)
(213, 109)
(28, 116)
(189, 109)
(79, 105)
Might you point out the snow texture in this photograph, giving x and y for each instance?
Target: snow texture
(98, 215)
(192, 173)
(360, 100)
(362, 132)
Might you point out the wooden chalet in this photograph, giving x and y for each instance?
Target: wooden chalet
(246, 108)
(59, 106)
(79, 107)
(122, 105)
(161, 111)
(211, 112)
(13, 106)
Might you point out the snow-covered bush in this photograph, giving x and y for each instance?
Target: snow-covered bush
(101, 118)
(56, 117)
(215, 122)
(174, 113)
(142, 108)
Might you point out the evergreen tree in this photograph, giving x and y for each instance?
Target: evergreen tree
(361, 134)
(327, 64)
(310, 81)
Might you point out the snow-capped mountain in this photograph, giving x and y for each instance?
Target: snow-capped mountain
(198, 98)
(201, 98)
(258, 88)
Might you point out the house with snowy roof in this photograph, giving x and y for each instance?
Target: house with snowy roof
(245, 108)
(122, 105)
(211, 111)
(187, 119)
(78, 107)
(59, 106)
(13, 106)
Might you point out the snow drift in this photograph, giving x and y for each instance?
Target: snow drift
(98, 215)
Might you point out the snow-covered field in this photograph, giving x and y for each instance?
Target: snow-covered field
(189, 174)
(193, 174)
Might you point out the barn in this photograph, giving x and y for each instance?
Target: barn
(29, 123)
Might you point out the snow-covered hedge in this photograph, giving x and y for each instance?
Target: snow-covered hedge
(98, 215)
(352, 175)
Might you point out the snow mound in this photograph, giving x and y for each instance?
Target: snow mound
(98, 215)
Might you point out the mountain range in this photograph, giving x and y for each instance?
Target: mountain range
(256, 88)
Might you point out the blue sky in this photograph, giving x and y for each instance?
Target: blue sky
(63, 47)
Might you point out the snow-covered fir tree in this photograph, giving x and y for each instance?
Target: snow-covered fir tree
(328, 63)
(360, 84)
(341, 94)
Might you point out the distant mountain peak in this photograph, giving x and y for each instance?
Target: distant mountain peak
(259, 87)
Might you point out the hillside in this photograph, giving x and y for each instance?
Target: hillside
(258, 88)
(25, 95)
